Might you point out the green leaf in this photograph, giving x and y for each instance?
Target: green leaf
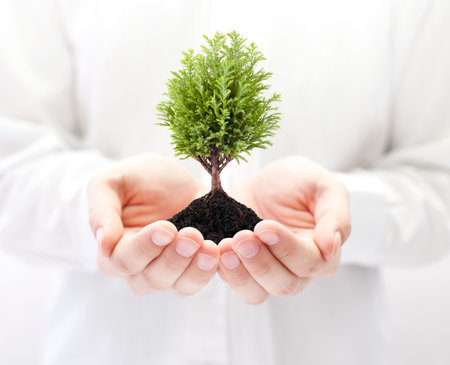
(218, 100)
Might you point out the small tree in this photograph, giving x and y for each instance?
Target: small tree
(216, 108)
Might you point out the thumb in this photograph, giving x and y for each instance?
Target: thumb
(332, 214)
(105, 210)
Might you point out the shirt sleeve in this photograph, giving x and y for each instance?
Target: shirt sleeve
(43, 169)
(400, 206)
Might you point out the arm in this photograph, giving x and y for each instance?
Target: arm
(43, 170)
(407, 192)
(53, 192)
(400, 205)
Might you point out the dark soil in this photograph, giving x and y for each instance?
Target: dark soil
(216, 216)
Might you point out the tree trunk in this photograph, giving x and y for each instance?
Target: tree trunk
(215, 181)
(215, 172)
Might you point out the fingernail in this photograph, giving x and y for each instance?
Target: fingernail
(186, 247)
(337, 243)
(162, 238)
(98, 237)
(230, 260)
(269, 237)
(205, 262)
(247, 248)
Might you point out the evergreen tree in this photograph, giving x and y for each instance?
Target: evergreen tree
(217, 110)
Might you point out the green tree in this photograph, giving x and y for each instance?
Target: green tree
(216, 109)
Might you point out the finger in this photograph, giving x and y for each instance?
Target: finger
(266, 269)
(105, 208)
(236, 275)
(136, 250)
(200, 271)
(333, 268)
(297, 252)
(332, 215)
(163, 272)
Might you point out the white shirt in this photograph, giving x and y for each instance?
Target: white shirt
(365, 89)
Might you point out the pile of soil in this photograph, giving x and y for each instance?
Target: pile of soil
(216, 216)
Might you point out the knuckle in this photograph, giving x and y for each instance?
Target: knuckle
(283, 254)
(287, 289)
(139, 290)
(169, 263)
(315, 265)
(122, 265)
(256, 300)
(185, 292)
(143, 247)
(199, 281)
(301, 285)
(239, 281)
(137, 285)
(189, 286)
(310, 270)
(156, 282)
(160, 286)
(263, 269)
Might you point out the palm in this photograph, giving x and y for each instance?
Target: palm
(147, 206)
(284, 194)
(285, 208)
(148, 197)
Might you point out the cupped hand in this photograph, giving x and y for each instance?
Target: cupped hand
(306, 219)
(128, 205)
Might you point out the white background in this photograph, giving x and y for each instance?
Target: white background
(419, 303)
(418, 300)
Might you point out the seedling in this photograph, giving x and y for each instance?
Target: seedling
(217, 111)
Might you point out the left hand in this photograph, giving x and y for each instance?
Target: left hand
(306, 219)
(128, 203)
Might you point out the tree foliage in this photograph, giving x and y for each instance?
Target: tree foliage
(216, 107)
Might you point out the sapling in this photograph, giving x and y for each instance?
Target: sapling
(217, 109)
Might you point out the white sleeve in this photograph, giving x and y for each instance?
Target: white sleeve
(400, 206)
(43, 170)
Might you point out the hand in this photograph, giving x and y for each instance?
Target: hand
(306, 219)
(127, 205)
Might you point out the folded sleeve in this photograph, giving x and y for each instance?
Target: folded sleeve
(43, 169)
(400, 206)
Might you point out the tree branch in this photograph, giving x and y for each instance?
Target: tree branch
(225, 162)
(205, 163)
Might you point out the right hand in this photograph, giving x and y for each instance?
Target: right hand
(127, 207)
(306, 219)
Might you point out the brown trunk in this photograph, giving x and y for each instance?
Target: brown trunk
(215, 172)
